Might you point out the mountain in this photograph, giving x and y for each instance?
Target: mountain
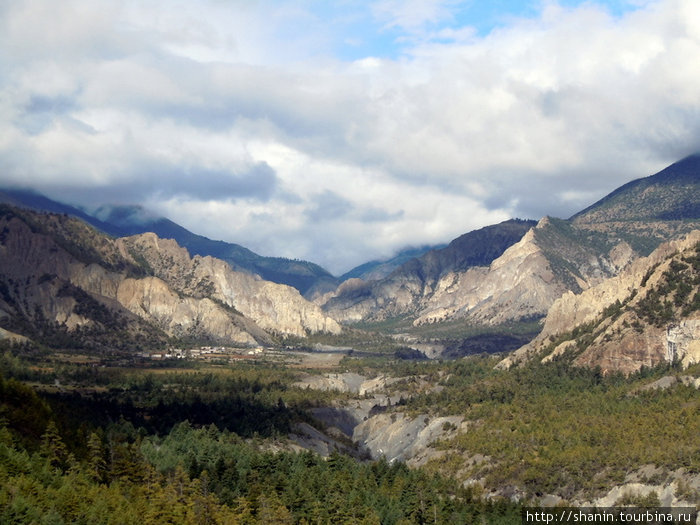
(647, 315)
(28, 198)
(121, 221)
(521, 278)
(671, 194)
(305, 276)
(508, 272)
(409, 287)
(64, 283)
(379, 269)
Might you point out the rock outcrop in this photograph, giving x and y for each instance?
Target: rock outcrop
(646, 315)
(59, 275)
(274, 307)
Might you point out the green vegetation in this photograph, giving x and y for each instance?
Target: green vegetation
(167, 448)
(557, 428)
(676, 294)
(213, 440)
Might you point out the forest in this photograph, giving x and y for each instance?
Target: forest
(167, 446)
(195, 442)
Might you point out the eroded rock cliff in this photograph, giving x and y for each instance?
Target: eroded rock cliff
(274, 307)
(648, 314)
(59, 277)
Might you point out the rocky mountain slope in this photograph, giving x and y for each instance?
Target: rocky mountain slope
(305, 276)
(406, 290)
(525, 275)
(542, 261)
(670, 194)
(64, 283)
(647, 315)
(275, 308)
(123, 221)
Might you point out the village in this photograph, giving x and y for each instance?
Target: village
(206, 353)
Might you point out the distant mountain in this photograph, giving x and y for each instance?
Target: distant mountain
(671, 194)
(379, 269)
(121, 221)
(28, 198)
(65, 284)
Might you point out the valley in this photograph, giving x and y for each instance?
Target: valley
(540, 433)
(548, 362)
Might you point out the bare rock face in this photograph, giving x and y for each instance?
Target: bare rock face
(58, 270)
(152, 299)
(615, 330)
(517, 285)
(626, 354)
(683, 342)
(522, 282)
(398, 437)
(6, 335)
(274, 307)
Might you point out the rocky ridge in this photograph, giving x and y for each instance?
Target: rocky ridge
(61, 277)
(519, 284)
(274, 307)
(646, 315)
(408, 290)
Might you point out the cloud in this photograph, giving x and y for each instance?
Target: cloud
(252, 122)
(414, 15)
(328, 207)
(167, 182)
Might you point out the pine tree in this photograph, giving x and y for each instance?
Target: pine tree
(97, 465)
(53, 448)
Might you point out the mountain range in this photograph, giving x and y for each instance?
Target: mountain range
(122, 221)
(81, 279)
(65, 284)
(528, 266)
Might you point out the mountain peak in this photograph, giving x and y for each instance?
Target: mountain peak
(671, 194)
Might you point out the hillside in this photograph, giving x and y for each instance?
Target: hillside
(122, 221)
(407, 288)
(64, 283)
(647, 315)
(505, 273)
(520, 279)
(302, 275)
(671, 194)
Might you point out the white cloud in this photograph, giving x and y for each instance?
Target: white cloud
(412, 16)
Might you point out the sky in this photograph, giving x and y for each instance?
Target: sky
(340, 132)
